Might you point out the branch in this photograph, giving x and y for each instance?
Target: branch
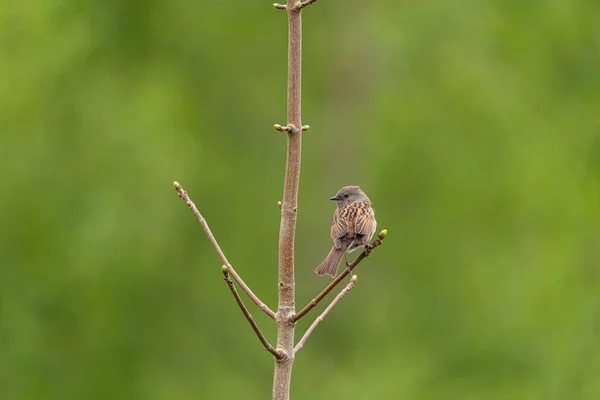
(321, 317)
(183, 194)
(289, 208)
(260, 335)
(341, 276)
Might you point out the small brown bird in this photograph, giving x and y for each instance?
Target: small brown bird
(353, 227)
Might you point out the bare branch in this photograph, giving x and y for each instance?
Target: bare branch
(289, 207)
(341, 276)
(280, 6)
(304, 4)
(305, 127)
(183, 194)
(321, 317)
(253, 323)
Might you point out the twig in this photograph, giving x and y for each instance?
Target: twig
(341, 276)
(304, 4)
(299, 6)
(257, 330)
(286, 128)
(183, 194)
(290, 128)
(321, 317)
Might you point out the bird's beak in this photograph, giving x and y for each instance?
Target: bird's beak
(334, 198)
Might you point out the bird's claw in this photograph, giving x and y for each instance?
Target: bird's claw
(349, 270)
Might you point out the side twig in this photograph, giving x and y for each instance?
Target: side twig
(299, 6)
(183, 194)
(321, 317)
(341, 276)
(289, 128)
(286, 128)
(304, 4)
(253, 323)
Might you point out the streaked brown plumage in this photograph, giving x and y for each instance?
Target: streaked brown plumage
(353, 227)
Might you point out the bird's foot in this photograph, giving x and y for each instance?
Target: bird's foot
(349, 270)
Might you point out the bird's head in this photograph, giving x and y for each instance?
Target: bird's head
(348, 195)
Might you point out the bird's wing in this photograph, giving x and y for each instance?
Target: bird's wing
(339, 227)
(365, 220)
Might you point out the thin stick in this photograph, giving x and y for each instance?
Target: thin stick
(253, 323)
(183, 194)
(321, 317)
(341, 276)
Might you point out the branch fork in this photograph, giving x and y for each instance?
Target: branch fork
(280, 355)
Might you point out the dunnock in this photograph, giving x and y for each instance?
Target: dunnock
(353, 227)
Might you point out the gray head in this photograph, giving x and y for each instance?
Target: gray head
(348, 195)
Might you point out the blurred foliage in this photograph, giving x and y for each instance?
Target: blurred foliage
(472, 125)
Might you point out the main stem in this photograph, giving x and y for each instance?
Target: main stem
(289, 209)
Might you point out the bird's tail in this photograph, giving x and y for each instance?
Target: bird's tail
(329, 266)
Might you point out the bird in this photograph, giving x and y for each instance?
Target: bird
(353, 226)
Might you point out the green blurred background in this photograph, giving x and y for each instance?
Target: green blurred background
(474, 127)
